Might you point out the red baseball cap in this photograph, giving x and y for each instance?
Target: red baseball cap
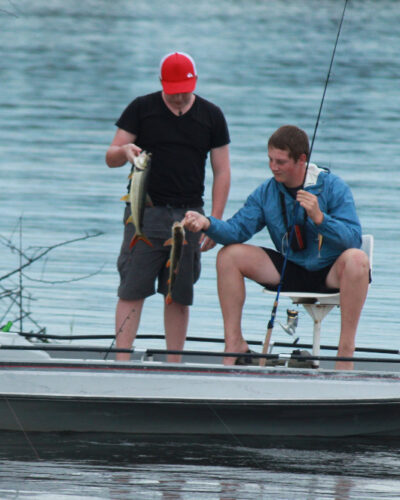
(178, 73)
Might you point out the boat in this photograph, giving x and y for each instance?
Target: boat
(56, 386)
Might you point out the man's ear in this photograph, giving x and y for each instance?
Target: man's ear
(302, 158)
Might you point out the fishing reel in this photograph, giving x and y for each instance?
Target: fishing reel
(291, 323)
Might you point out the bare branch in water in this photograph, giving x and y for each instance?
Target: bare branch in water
(15, 293)
(30, 260)
(40, 280)
(11, 13)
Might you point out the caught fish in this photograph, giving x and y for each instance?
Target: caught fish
(176, 241)
(138, 197)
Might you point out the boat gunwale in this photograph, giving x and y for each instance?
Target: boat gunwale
(204, 402)
(196, 369)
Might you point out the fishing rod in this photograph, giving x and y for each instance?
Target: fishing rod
(164, 352)
(218, 340)
(297, 205)
(150, 336)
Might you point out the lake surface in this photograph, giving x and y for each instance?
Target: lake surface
(67, 71)
(174, 468)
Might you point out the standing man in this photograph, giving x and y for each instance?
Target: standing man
(325, 252)
(179, 129)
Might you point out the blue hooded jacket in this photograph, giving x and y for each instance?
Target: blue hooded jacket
(340, 228)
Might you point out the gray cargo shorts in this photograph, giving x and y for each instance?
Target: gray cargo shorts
(143, 266)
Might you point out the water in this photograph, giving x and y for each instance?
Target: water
(67, 70)
(110, 467)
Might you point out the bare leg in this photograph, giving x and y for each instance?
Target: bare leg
(234, 263)
(127, 320)
(350, 273)
(176, 319)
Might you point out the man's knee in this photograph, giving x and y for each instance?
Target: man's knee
(355, 263)
(359, 259)
(228, 255)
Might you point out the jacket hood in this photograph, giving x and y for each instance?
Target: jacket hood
(312, 177)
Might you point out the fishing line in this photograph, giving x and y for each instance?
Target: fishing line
(118, 332)
(12, 411)
(230, 432)
(325, 87)
(28, 440)
(297, 205)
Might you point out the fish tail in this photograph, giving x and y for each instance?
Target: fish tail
(146, 240)
(133, 242)
(138, 237)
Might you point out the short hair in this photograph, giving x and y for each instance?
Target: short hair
(292, 139)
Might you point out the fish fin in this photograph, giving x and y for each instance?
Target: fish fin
(167, 242)
(124, 198)
(149, 203)
(129, 219)
(168, 299)
(168, 263)
(185, 242)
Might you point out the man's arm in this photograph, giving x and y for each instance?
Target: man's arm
(221, 179)
(220, 189)
(122, 149)
(246, 222)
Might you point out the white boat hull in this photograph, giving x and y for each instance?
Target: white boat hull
(193, 399)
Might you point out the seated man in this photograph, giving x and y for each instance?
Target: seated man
(324, 254)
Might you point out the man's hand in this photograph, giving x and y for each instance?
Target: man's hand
(310, 204)
(131, 150)
(195, 222)
(206, 243)
(122, 149)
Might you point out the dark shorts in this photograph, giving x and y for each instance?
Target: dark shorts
(143, 266)
(297, 278)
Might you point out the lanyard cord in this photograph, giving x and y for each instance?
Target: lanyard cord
(291, 233)
(284, 212)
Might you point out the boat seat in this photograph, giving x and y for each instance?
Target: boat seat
(318, 305)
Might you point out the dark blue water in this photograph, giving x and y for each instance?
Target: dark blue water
(67, 70)
(176, 468)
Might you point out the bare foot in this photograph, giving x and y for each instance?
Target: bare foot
(344, 365)
(242, 347)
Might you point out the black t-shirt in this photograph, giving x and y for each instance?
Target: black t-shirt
(179, 145)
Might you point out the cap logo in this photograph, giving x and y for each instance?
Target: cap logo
(189, 75)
